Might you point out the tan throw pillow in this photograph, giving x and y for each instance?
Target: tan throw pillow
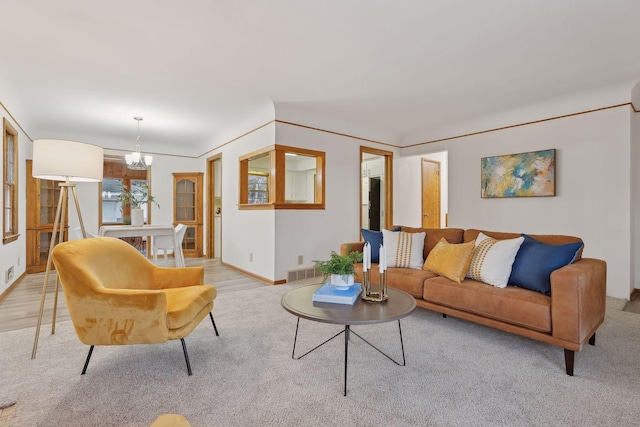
(449, 260)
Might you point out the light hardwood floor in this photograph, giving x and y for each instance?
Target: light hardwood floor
(20, 309)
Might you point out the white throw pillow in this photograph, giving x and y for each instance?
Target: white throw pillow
(403, 249)
(492, 259)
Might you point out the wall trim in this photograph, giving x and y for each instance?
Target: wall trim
(337, 133)
(236, 138)
(564, 116)
(253, 276)
(14, 285)
(15, 121)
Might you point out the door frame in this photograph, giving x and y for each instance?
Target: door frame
(210, 205)
(388, 184)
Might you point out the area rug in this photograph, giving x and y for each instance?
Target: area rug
(457, 374)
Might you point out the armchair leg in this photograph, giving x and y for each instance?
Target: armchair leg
(186, 356)
(568, 361)
(592, 340)
(214, 324)
(86, 362)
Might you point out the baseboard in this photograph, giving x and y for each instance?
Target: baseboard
(10, 289)
(634, 292)
(254, 276)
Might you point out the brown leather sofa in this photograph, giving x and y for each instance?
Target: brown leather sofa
(568, 318)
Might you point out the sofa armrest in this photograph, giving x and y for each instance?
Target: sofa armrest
(578, 298)
(346, 248)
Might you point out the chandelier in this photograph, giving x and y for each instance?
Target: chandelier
(135, 160)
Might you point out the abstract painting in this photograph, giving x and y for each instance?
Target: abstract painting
(530, 174)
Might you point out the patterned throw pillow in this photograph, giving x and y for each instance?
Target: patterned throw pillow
(403, 250)
(492, 259)
(450, 260)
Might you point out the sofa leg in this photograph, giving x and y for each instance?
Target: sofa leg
(214, 324)
(444, 315)
(186, 356)
(592, 340)
(86, 362)
(568, 361)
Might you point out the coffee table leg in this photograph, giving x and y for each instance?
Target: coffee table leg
(404, 361)
(295, 338)
(314, 348)
(347, 329)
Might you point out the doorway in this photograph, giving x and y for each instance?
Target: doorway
(374, 203)
(430, 194)
(214, 206)
(376, 193)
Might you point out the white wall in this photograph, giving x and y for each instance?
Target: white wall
(14, 254)
(246, 232)
(592, 186)
(315, 233)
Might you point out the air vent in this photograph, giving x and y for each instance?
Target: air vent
(302, 274)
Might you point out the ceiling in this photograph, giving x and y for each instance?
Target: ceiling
(81, 70)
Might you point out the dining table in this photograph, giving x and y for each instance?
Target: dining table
(146, 230)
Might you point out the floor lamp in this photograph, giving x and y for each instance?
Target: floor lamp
(70, 162)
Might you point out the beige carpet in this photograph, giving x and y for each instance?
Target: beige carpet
(632, 306)
(457, 374)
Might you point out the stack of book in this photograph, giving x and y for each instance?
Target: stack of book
(329, 293)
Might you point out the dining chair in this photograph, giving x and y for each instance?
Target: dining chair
(163, 243)
(76, 233)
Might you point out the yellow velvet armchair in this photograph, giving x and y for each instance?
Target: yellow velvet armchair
(116, 296)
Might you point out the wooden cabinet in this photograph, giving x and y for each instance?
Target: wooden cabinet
(187, 209)
(42, 202)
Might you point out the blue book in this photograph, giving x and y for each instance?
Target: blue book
(328, 293)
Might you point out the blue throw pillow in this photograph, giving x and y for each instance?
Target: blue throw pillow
(536, 261)
(375, 240)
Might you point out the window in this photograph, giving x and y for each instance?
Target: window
(116, 177)
(281, 177)
(113, 212)
(10, 183)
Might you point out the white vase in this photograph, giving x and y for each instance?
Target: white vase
(341, 281)
(137, 217)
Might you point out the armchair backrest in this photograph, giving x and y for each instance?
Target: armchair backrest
(101, 262)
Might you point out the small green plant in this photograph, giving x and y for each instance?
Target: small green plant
(343, 265)
(137, 197)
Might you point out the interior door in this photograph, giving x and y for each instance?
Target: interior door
(430, 194)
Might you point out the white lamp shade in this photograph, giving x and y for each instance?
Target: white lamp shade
(59, 160)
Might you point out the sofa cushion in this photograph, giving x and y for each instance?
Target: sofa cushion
(536, 261)
(375, 240)
(451, 235)
(409, 280)
(512, 305)
(403, 249)
(450, 260)
(492, 259)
